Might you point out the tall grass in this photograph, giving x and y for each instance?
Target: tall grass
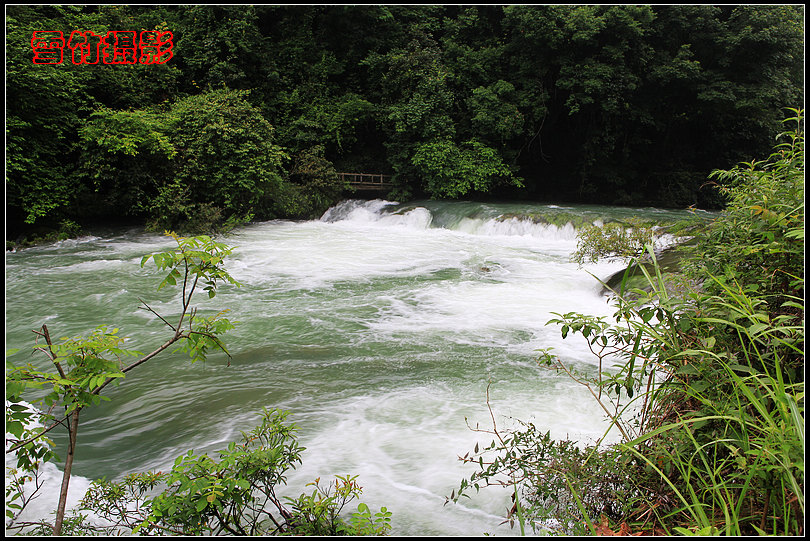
(735, 457)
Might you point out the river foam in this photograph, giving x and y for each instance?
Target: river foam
(382, 328)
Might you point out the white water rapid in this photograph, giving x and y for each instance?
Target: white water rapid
(378, 327)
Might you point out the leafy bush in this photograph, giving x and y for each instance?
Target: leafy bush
(234, 493)
(316, 181)
(452, 171)
(199, 165)
(227, 151)
(558, 485)
(126, 157)
(759, 241)
(613, 240)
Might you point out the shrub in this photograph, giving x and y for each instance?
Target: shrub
(232, 493)
(454, 171)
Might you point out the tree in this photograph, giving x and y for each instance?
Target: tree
(226, 159)
(84, 366)
(44, 107)
(201, 162)
(590, 103)
(495, 117)
(452, 171)
(417, 103)
(49, 104)
(316, 181)
(221, 47)
(126, 157)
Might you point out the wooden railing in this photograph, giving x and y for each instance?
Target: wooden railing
(367, 181)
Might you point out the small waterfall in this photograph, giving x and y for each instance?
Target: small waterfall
(356, 210)
(459, 217)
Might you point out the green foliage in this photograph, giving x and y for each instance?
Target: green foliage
(613, 240)
(44, 108)
(417, 99)
(627, 105)
(206, 163)
(218, 47)
(317, 182)
(760, 238)
(22, 425)
(226, 158)
(560, 486)
(330, 122)
(451, 171)
(122, 505)
(67, 229)
(125, 157)
(318, 513)
(128, 132)
(80, 368)
(418, 78)
(363, 522)
(83, 364)
(49, 104)
(651, 328)
(494, 116)
(195, 258)
(233, 493)
(729, 453)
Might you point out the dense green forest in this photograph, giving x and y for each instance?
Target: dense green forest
(258, 107)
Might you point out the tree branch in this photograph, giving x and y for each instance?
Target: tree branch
(50, 352)
(147, 307)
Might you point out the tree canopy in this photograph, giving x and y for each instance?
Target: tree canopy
(621, 104)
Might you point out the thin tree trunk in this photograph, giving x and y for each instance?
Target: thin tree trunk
(60, 510)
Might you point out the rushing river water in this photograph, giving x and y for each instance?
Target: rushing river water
(378, 327)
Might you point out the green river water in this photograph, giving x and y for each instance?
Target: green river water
(377, 327)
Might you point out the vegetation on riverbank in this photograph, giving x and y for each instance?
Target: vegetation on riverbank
(259, 105)
(707, 391)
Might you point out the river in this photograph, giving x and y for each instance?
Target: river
(378, 327)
